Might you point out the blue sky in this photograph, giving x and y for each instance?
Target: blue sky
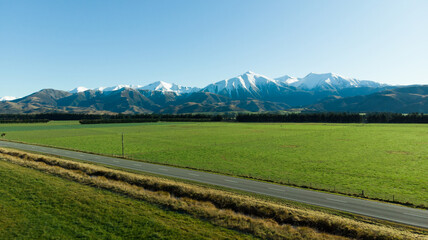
(64, 44)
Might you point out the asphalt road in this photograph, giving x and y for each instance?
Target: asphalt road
(390, 212)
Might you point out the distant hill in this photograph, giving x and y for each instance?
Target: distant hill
(45, 97)
(400, 100)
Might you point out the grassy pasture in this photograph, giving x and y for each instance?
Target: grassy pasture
(258, 217)
(381, 159)
(35, 205)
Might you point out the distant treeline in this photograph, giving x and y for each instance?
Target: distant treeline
(24, 120)
(250, 117)
(153, 118)
(47, 117)
(99, 118)
(301, 117)
(397, 118)
(334, 117)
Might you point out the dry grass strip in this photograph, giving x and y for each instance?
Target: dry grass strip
(262, 218)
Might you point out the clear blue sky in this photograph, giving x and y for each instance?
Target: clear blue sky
(64, 44)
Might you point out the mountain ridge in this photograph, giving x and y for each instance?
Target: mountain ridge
(328, 81)
(246, 92)
(249, 81)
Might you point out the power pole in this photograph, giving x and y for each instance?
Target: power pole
(123, 148)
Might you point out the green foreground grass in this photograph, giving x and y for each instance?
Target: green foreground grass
(384, 160)
(35, 205)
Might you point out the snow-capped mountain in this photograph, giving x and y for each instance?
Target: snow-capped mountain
(248, 80)
(169, 87)
(287, 79)
(291, 90)
(254, 85)
(249, 84)
(327, 81)
(247, 92)
(79, 89)
(7, 98)
(156, 86)
(115, 88)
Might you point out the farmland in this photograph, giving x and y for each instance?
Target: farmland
(35, 205)
(383, 160)
(260, 218)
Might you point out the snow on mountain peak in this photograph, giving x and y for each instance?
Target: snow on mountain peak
(313, 80)
(330, 81)
(78, 90)
(249, 81)
(287, 79)
(253, 83)
(118, 87)
(169, 87)
(253, 74)
(156, 86)
(7, 98)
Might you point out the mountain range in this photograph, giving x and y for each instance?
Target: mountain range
(247, 92)
(156, 86)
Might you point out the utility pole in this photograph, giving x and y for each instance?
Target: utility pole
(123, 149)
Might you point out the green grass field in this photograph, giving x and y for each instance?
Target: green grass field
(35, 205)
(383, 160)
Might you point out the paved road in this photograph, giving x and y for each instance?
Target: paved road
(400, 214)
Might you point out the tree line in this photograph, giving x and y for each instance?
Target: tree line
(24, 120)
(334, 117)
(397, 118)
(48, 116)
(241, 117)
(121, 118)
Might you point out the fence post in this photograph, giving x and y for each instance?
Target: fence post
(123, 149)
